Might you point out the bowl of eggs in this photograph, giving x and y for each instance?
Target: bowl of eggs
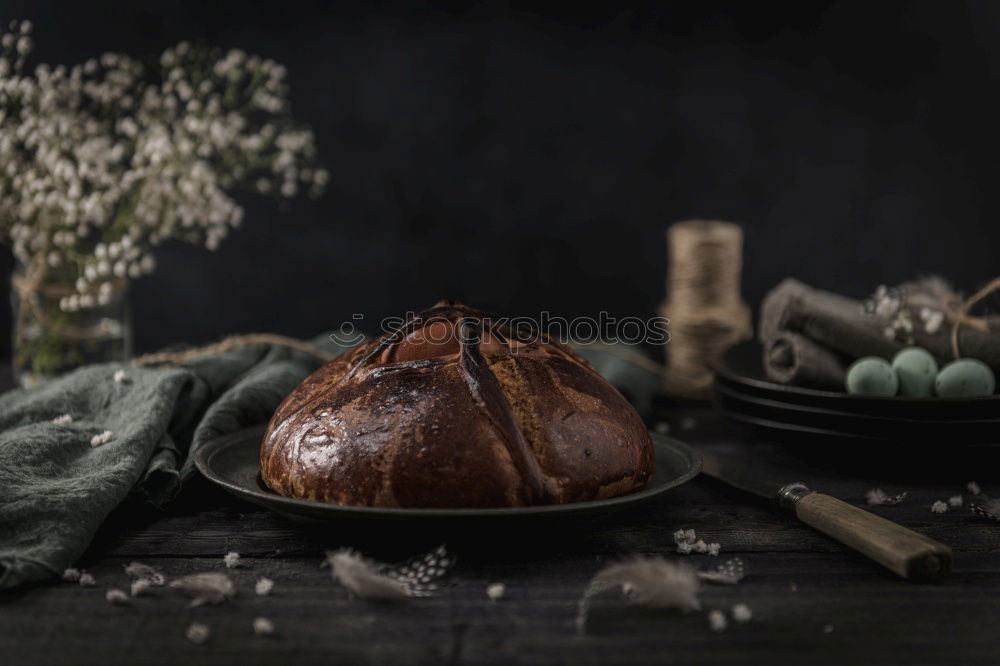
(909, 399)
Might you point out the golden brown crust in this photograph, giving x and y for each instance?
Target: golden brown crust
(485, 424)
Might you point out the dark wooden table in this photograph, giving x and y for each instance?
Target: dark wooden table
(813, 601)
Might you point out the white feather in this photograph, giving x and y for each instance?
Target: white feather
(205, 588)
(646, 581)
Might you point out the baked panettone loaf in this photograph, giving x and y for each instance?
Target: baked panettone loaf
(454, 410)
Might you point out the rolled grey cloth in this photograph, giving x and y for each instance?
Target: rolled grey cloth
(829, 326)
(791, 358)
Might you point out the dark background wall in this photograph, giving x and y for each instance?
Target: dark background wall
(526, 157)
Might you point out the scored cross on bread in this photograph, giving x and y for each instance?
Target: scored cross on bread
(456, 410)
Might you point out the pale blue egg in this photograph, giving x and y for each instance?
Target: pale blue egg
(965, 378)
(917, 370)
(872, 375)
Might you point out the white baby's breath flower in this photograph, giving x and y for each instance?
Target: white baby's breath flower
(96, 160)
(939, 507)
(198, 633)
(262, 626)
(64, 419)
(955, 500)
(717, 621)
(101, 439)
(495, 591)
(742, 613)
(263, 587)
(876, 496)
(231, 560)
(140, 587)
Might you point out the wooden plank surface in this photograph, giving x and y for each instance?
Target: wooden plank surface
(800, 582)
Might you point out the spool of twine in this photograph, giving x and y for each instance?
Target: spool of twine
(706, 313)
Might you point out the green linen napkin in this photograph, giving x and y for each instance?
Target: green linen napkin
(56, 488)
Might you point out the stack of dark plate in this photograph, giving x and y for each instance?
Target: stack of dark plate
(744, 394)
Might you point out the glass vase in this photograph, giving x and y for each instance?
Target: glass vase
(49, 339)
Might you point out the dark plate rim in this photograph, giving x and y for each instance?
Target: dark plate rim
(733, 392)
(720, 367)
(785, 426)
(204, 455)
(757, 421)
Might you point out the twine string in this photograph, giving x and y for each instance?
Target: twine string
(957, 313)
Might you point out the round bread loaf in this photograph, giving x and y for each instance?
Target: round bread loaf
(455, 410)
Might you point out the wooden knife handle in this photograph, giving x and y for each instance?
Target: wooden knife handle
(909, 554)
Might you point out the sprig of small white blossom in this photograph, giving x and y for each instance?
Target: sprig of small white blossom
(262, 626)
(100, 162)
(742, 613)
(198, 633)
(101, 439)
(878, 497)
(263, 587)
(717, 621)
(687, 543)
(939, 507)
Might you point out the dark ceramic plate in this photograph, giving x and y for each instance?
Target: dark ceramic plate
(808, 432)
(911, 434)
(731, 400)
(740, 368)
(232, 462)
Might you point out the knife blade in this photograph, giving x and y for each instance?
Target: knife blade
(901, 550)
